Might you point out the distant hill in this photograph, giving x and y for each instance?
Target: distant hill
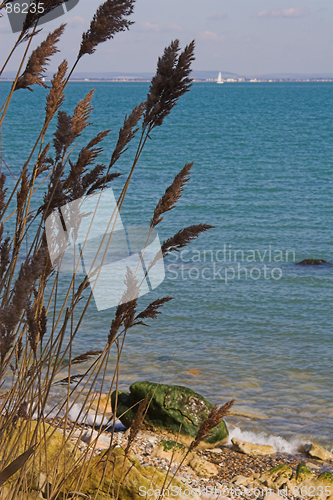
(291, 76)
(200, 75)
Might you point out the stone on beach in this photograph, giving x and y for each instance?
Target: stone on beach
(94, 438)
(316, 451)
(250, 448)
(171, 408)
(240, 480)
(303, 472)
(270, 495)
(317, 486)
(304, 483)
(101, 403)
(177, 452)
(277, 476)
(125, 476)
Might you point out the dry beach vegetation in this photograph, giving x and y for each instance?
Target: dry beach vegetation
(45, 451)
(38, 456)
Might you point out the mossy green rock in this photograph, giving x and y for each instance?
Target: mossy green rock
(171, 407)
(315, 487)
(170, 445)
(303, 472)
(275, 477)
(126, 476)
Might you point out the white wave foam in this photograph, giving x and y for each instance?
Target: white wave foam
(78, 414)
(279, 443)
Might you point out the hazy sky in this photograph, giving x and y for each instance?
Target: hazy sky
(239, 36)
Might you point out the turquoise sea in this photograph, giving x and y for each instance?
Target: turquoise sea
(262, 156)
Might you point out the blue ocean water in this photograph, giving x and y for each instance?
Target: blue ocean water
(246, 322)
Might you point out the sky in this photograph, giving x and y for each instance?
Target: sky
(245, 37)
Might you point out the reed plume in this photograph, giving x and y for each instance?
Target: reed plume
(10, 314)
(70, 380)
(183, 238)
(71, 127)
(44, 163)
(81, 114)
(32, 18)
(56, 96)
(171, 195)
(214, 418)
(76, 183)
(107, 21)
(22, 196)
(55, 196)
(84, 357)
(127, 132)
(39, 60)
(22, 411)
(151, 310)
(42, 320)
(4, 254)
(169, 84)
(19, 351)
(137, 424)
(32, 328)
(63, 134)
(80, 180)
(2, 192)
(125, 311)
(37, 323)
(102, 181)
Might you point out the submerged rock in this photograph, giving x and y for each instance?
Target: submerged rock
(311, 262)
(170, 407)
(251, 449)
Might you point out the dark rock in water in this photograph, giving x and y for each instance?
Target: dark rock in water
(170, 406)
(311, 262)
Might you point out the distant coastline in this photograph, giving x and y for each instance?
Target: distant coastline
(196, 80)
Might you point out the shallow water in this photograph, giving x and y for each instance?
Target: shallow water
(263, 156)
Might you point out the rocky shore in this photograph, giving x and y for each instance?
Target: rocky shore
(220, 467)
(162, 464)
(223, 471)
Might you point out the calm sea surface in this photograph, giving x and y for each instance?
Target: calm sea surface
(245, 322)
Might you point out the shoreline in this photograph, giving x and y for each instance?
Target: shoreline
(224, 472)
(195, 80)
